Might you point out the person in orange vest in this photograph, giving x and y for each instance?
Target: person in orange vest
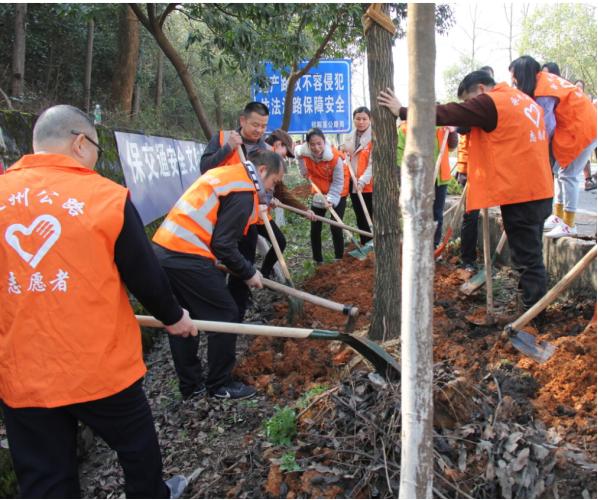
(221, 151)
(204, 227)
(358, 147)
(280, 142)
(571, 127)
(70, 346)
(589, 178)
(508, 166)
(444, 173)
(322, 164)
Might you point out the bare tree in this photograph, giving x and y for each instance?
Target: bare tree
(18, 52)
(387, 229)
(417, 196)
(154, 23)
(123, 83)
(88, 65)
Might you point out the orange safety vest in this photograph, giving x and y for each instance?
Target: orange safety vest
(575, 117)
(462, 154)
(233, 158)
(444, 173)
(321, 172)
(363, 159)
(67, 330)
(189, 226)
(510, 164)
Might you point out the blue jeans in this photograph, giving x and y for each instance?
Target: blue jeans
(566, 189)
(438, 211)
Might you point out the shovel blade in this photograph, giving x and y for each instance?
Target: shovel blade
(474, 283)
(527, 344)
(383, 362)
(362, 252)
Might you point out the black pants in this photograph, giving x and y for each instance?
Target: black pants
(524, 224)
(337, 233)
(238, 289)
(203, 292)
(43, 445)
(270, 258)
(438, 210)
(469, 237)
(362, 222)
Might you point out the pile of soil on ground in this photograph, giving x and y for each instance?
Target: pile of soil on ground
(302, 191)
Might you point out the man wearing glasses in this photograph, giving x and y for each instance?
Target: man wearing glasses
(70, 347)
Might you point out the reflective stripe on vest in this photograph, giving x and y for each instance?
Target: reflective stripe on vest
(510, 164)
(575, 117)
(189, 226)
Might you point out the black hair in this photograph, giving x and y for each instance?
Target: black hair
(488, 69)
(271, 139)
(256, 107)
(552, 67)
(525, 70)
(475, 78)
(362, 109)
(315, 131)
(583, 84)
(270, 159)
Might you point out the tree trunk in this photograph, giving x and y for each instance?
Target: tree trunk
(159, 80)
(18, 52)
(386, 318)
(154, 26)
(88, 65)
(125, 70)
(417, 197)
(288, 99)
(136, 107)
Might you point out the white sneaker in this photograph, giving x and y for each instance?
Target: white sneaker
(562, 230)
(552, 222)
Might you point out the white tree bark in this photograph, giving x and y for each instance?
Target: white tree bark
(417, 197)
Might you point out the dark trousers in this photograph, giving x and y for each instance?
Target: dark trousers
(43, 445)
(362, 222)
(438, 210)
(337, 233)
(270, 258)
(238, 289)
(203, 292)
(524, 224)
(469, 237)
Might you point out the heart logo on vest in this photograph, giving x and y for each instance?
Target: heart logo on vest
(46, 227)
(533, 113)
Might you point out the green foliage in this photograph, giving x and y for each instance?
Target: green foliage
(281, 428)
(304, 400)
(454, 188)
(453, 75)
(288, 462)
(8, 478)
(564, 33)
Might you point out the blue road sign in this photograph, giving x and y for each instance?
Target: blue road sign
(322, 98)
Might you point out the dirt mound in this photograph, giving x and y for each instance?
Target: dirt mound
(302, 191)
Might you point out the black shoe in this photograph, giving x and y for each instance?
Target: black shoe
(196, 394)
(470, 267)
(176, 485)
(234, 390)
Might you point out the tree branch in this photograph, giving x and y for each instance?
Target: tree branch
(169, 8)
(141, 16)
(316, 57)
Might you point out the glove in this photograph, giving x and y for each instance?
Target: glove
(462, 178)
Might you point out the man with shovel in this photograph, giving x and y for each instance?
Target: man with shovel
(508, 139)
(70, 346)
(204, 227)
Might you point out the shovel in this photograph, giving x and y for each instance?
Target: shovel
(527, 344)
(323, 219)
(476, 281)
(383, 362)
(295, 304)
(449, 230)
(351, 311)
(360, 252)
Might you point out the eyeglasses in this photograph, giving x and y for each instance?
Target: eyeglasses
(99, 148)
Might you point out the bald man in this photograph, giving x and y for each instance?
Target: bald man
(70, 347)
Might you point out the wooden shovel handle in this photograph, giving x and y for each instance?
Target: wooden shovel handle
(314, 299)
(487, 262)
(324, 219)
(330, 208)
(555, 291)
(274, 242)
(360, 196)
(238, 328)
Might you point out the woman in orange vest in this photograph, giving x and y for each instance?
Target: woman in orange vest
(358, 146)
(508, 166)
(323, 165)
(444, 173)
(70, 346)
(571, 127)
